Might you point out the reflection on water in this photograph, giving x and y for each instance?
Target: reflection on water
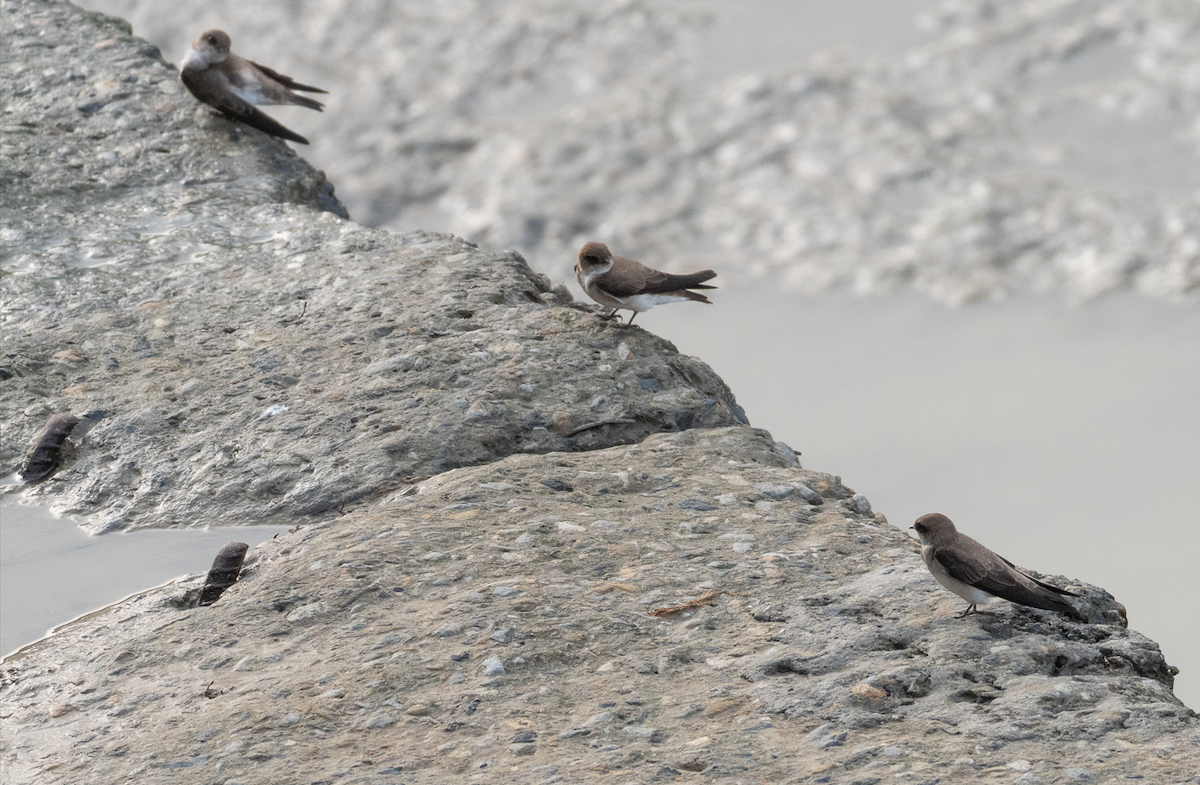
(1067, 439)
(51, 572)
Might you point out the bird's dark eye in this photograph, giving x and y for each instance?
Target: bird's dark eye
(591, 260)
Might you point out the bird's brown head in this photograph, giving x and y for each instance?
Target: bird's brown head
(933, 527)
(214, 44)
(594, 255)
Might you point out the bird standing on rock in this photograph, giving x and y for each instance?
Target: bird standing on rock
(234, 85)
(617, 282)
(976, 574)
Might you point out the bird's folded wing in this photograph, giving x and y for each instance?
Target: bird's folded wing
(286, 81)
(628, 277)
(1041, 583)
(973, 572)
(994, 576)
(208, 86)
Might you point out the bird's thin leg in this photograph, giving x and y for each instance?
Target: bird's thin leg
(970, 609)
(635, 313)
(609, 316)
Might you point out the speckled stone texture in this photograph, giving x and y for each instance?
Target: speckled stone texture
(260, 360)
(286, 373)
(498, 499)
(497, 622)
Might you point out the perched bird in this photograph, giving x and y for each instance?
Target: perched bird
(234, 85)
(618, 282)
(977, 574)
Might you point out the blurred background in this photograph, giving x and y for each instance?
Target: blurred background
(958, 241)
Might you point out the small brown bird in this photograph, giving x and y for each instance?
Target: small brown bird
(618, 282)
(976, 574)
(234, 85)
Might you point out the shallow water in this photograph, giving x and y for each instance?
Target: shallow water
(1065, 438)
(52, 572)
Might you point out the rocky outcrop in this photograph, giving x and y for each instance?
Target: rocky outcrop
(507, 620)
(322, 363)
(103, 150)
(530, 546)
(261, 361)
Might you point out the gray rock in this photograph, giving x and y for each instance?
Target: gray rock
(842, 645)
(808, 494)
(302, 412)
(825, 737)
(642, 733)
(867, 644)
(789, 455)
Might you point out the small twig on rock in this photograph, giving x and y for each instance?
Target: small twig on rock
(704, 599)
(598, 424)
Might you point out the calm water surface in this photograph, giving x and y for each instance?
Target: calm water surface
(52, 572)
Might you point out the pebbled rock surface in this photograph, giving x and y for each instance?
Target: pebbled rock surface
(475, 587)
(99, 134)
(305, 363)
(265, 361)
(496, 623)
